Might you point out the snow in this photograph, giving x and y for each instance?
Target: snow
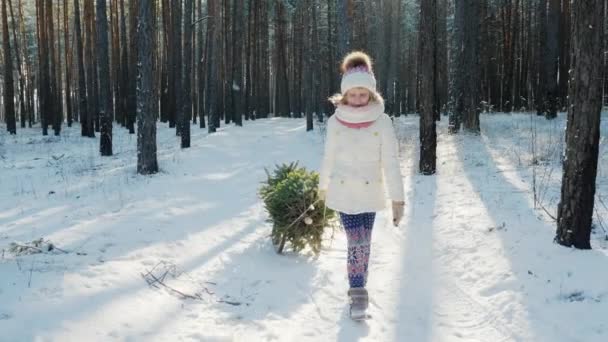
(473, 260)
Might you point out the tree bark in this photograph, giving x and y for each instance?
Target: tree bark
(132, 85)
(68, 74)
(105, 141)
(187, 80)
(343, 27)
(123, 84)
(9, 92)
(575, 210)
(467, 74)
(211, 97)
(427, 51)
(82, 87)
(22, 110)
(146, 118)
(91, 68)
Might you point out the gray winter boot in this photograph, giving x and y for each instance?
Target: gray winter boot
(359, 301)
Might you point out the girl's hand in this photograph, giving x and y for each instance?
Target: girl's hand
(397, 212)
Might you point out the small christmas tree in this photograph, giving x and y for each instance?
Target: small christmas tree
(297, 214)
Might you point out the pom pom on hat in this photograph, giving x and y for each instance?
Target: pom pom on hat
(357, 72)
(356, 61)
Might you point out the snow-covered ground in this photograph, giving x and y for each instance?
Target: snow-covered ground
(473, 259)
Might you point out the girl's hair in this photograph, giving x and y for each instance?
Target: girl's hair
(357, 60)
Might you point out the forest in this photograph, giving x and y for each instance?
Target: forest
(234, 60)
(135, 134)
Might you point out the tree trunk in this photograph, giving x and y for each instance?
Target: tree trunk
(551, 59)
(115, 61)
(564, 58)
(29, 77)
(52, 71)
(123, 84)
(187, 80)
(9, 92)
(441, 59)
(105, 142)
(68, 74)
(176, 48)
(22, 110)
(227, 79)
(344, 29)
(541, 86)
(308, 68)
(91, 67)
(146, 119)
(237, 62)
(132, 85)
(427, 50)
(201, 70)
(575, 210)
(467, 74)
(211, 97)
(282, 105)
(57, 76)
(82, 88)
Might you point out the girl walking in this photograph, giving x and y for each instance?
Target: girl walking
(360, 166)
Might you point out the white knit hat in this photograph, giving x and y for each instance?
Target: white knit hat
(359, 76)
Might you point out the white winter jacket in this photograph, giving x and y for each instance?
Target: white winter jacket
(360, 164)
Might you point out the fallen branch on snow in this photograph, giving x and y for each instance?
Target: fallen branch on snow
(34, 247)
(158, 281)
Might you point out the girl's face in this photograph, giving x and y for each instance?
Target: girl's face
(357, 97)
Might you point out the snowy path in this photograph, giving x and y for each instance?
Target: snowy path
(472, 261)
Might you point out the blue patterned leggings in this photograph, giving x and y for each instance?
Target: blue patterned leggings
(358, 229)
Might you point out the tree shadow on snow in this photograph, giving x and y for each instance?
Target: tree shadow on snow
(206, 201)
(542, 273)
(416, 278)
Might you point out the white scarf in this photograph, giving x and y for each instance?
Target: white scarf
(367, 113)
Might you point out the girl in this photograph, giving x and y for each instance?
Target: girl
(359, 163)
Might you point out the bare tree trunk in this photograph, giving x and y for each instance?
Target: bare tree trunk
(91, 74)
(441, 58)
(68, 74)
(427, 50)
(57, 74)
(105, 142)
(28, 75)
(309, 66)
(82, 88)
(237, 62)
(19, 68)
(564, 58)
(541, 85)
(132, 85)
(9, 92)
(344, 29)
(212, 40)
(282, 86)
(201, 70)
(227, 66)
(551, 59)
(575, 210)
(146, 118)
(187, 80)
(176, 48)
(115, 60)
(467, 66)
(54, 89)
(123, 84)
